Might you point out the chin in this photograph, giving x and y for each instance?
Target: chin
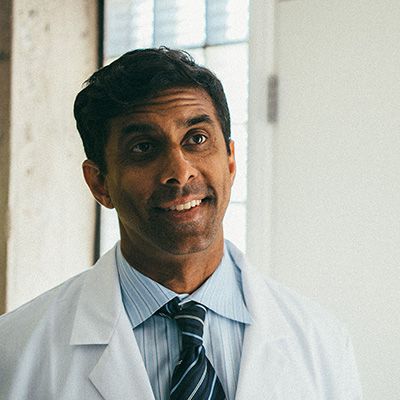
(185, 246)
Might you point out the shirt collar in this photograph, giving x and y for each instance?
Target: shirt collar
(221, 293)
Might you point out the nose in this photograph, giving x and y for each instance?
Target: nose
(177, 169)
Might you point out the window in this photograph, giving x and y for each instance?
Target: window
(215, 33)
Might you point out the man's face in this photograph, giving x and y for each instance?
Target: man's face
(169, 174)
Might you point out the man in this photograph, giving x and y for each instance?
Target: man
(172, 311)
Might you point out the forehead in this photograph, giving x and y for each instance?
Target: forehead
(177, 105)
(177, 98)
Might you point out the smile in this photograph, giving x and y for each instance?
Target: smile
(185, 206)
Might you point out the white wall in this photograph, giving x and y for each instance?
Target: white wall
(51, 213)
(260, 133)
(336, 171)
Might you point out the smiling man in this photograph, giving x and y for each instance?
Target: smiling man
(172, 311)
(169, 175)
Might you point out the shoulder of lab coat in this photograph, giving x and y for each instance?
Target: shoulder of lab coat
(38, 335)
(313, 345)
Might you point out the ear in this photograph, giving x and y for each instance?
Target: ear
(232, 161)
(97, 183)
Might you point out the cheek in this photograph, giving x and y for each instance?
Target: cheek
(224, 181)
(134, 193)
(220, 172)
(131, 191)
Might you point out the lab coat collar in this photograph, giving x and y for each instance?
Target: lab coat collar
(263, 364)
(120, 372)
(259, 298)
(100, 319)
(99, 305)
(100, 302)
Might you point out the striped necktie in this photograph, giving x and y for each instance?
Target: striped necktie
(194, 377)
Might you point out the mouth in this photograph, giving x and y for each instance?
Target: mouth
(182, 206)
(185, 206)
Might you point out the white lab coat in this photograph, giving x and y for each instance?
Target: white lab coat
(75, 342)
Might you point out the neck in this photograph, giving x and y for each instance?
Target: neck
(179, 273)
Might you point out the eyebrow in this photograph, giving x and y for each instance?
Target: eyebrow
(198, 120)
(137, 128)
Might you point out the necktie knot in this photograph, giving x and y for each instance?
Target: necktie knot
(189, 318)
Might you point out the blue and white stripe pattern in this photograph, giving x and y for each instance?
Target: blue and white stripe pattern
(159, 339)
(194, 377)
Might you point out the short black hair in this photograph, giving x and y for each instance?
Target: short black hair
(138, 76)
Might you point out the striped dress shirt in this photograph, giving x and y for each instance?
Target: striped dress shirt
(159, 339)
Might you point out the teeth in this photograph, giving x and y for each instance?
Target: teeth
(186, 206)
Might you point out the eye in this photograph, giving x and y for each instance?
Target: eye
(143, 147)
(197, 139)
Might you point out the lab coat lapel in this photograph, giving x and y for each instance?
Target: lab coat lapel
(101, 320)
(263, 363)
(120, 372)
